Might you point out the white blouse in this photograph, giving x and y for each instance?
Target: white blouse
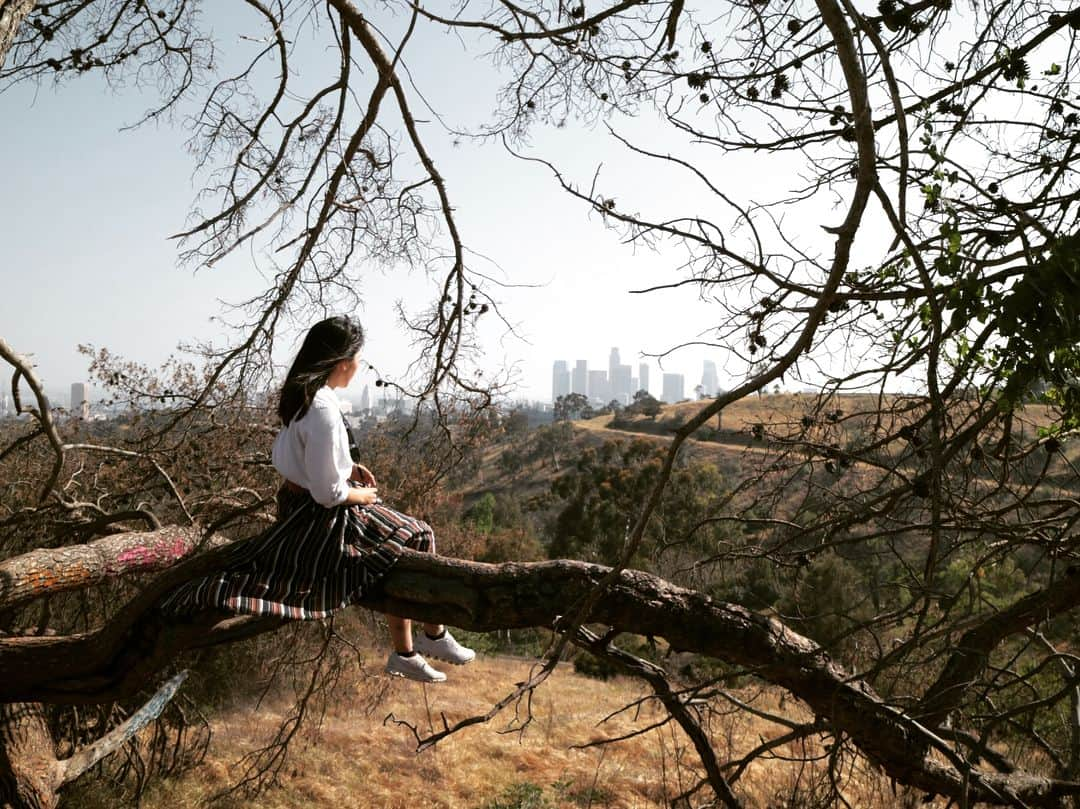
(313, 451)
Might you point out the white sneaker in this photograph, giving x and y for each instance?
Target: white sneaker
(413, 668)
(445, 648)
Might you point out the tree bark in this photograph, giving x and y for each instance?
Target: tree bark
(12, 13)
(29, 771)
(46, 572)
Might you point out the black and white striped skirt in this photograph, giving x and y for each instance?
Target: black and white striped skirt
(312, 561)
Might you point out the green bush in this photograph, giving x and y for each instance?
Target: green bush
(527, 795)
(522, 642)
(827, 601)
(481, 515)
(524, 795)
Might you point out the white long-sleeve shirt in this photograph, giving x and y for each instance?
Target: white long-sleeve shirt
(313, 451)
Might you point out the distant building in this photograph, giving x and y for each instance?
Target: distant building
(5, 404)
(599, 389)
(80, 404)
(710, 382)
(674, 385)
(560, 380)
(579, 380)
(365, 400)
(621, 384)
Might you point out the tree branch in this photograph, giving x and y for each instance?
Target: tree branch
(116, 660)
(969, 656)
(656, 677)
(48, 571)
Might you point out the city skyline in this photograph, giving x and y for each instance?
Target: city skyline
(618, 383)
(80, 396)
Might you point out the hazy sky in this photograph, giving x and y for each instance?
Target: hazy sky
(87, 210)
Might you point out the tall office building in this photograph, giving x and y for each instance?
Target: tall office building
(5, 403)
(710, 382)
(599, 389)
(560, 380)
(673, 388)
(613, 363)
(365, 400)
(80, 405)
(621, 384)
(643, 377)
(579, 380)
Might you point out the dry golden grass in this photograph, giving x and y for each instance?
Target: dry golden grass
(783, 413)
(741, 415)
(355, 758)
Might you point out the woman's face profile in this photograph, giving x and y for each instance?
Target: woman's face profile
(344, 371)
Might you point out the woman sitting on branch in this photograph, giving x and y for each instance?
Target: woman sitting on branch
(334, 538)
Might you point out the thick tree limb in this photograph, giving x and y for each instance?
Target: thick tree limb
(12, 13)
(30, 774)
(29, 771)
(48, 571)
(117, 659)
(73, 767)
(970, 655)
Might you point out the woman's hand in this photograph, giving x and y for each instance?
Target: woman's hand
(363, 496)
(362, 475)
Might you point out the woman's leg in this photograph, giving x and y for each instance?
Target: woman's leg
(400, 633)
(412, 533)
(424, 541)
(404, 661)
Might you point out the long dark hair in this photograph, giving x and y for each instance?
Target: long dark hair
(327, 343)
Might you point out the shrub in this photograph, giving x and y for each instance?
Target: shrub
(525, 795)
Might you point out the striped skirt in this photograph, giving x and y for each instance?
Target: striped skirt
(312, 561)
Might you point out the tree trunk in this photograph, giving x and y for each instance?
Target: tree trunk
(12, 13)
(29, 771)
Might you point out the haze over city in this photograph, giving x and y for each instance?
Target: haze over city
(561, 281)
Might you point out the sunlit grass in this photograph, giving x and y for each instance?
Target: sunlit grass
(359, 757)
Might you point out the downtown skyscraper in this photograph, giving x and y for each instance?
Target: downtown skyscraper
(674, 388)
(579, 378)
(710, 381)
(560, 380)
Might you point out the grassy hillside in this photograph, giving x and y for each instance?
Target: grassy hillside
(359, 757)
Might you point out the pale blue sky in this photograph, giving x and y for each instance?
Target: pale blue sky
(87, 210)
